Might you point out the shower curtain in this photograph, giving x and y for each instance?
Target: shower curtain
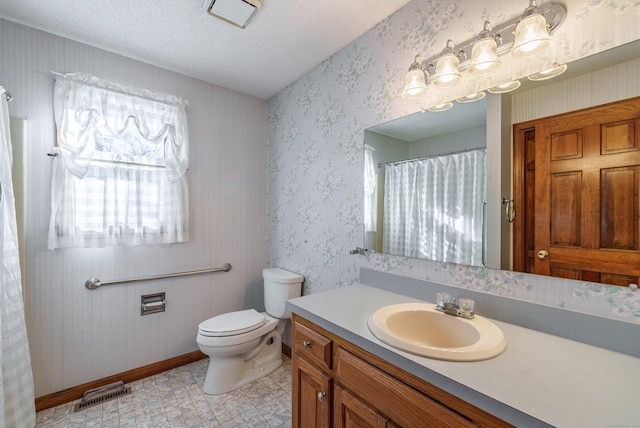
(17, 408)
(433, 207)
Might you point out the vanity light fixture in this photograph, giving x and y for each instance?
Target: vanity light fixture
(521, 36)
(484, 56)
(441, 107)
(532, 33)
(550, 73)
(415, 82)
(472, 97)
(447, 73)
(505, 87)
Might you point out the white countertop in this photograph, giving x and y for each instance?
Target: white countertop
(558, 381)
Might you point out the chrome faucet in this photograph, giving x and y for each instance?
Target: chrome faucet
(450, 307)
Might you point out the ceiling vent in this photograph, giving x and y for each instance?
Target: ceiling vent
(236, 12)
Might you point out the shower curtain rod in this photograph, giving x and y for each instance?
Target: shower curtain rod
(430, 157)
(8, 95)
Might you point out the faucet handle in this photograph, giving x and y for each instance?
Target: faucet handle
(466, 305)
(442, 299)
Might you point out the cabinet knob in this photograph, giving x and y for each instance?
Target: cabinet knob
(321, 396)
(543, 254)
(306, 345)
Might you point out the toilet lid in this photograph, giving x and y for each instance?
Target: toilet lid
(232, 323)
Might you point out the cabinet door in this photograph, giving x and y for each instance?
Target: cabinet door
(350, 412)
(404, 405)
(311, 395)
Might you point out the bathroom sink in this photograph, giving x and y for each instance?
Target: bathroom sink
(422, 330)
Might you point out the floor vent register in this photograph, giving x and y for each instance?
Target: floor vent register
(99, 395)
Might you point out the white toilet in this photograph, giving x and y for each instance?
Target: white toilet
(246, 345)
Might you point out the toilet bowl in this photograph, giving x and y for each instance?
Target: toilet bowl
(246, 345)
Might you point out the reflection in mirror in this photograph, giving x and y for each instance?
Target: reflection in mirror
(432, 130)
(425, 185)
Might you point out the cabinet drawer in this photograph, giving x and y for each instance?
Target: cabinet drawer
(396, 400)
(312, 345)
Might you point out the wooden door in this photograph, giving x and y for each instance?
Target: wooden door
(311, 395)
(577, 177)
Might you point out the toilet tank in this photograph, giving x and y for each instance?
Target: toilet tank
(280, 285)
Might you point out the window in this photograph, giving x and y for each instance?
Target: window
(119, 177)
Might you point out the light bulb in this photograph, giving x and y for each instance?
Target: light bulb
(532, 34)
(505, 87)
(484, 55)
(472, 97)
(447, 73)
(415, 83)
(549, 73)
(441, 107)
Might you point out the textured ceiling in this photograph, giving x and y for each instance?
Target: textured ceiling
(283, 42)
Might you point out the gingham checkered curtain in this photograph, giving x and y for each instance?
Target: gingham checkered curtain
(433, 208)
(120, 174)
(17, 406)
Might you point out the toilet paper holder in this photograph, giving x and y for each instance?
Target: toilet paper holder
(152, 303)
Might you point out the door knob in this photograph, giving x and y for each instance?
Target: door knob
(543, 254)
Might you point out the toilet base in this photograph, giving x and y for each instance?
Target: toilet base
(228, 373)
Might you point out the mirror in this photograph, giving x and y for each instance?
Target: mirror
(463, 127)
(427, 185)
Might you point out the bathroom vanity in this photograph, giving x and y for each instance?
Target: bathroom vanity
(344, 376)
(336, 383)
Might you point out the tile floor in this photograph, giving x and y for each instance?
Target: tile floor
(175, 399)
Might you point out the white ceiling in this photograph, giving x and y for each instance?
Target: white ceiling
(284, 41)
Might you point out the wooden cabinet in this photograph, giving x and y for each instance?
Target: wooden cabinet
(399, 402)
(337, 384)
(311, 377)
(311, 395)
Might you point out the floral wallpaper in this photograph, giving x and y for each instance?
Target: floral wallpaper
(315, 148)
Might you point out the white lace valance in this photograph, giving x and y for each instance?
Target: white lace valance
(88, 109)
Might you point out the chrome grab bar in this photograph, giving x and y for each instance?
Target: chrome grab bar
(94, 283)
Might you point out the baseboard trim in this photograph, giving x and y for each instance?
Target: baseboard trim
(75, 393)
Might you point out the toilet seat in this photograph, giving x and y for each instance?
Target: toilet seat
(232, 323)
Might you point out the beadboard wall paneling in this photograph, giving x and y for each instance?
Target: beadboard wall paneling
(77, 335)
(604, 86)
